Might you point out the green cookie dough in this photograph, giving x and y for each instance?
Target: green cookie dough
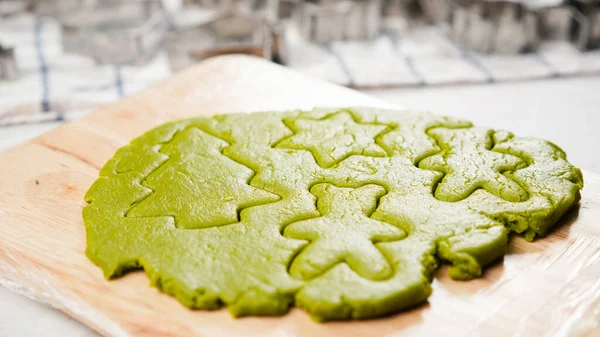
(343, 212)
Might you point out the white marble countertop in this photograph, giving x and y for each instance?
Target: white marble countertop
(565, 111)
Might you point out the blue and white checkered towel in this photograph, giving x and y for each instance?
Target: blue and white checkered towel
(426, 56)
(54, 85)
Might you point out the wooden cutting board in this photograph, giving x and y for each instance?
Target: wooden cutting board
(547, 288)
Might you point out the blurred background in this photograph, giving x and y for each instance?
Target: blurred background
(528, 66)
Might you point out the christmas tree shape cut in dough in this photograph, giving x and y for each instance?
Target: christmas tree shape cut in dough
(195, 169)
(345, 213)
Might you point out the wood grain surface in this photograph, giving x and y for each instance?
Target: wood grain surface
(550, 287)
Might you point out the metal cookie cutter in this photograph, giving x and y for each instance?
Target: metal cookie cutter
(494, 26)
(56, 8)
(401, 15)
(591, 10)
(288, 12)
(116, 32)
(11, 7)
(235, 27)
(559, 21)
(8, 66)
(593, 15)
(436, 11)
(323, 21)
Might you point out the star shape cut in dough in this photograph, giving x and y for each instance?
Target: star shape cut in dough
(333, 138)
